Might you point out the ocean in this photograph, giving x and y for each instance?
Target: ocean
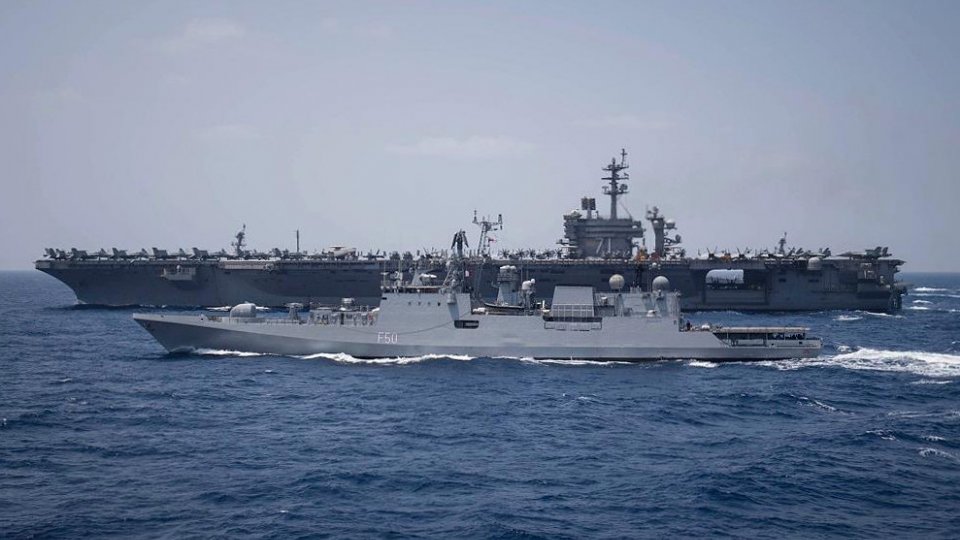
(102, 434)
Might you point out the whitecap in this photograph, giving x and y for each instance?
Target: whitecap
(936, 295)
(934, 452)
(882, 433)
(702, 364)
(880, 314)
(918, 308)
(922, 302)
(933, 438)
(816, 403)
(845, 318)
(932, 381)
(930, 289)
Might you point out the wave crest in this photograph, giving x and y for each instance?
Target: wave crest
(702, 364)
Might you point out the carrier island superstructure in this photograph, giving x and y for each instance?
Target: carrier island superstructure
(593, 248)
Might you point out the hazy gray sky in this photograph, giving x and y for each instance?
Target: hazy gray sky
(384, 125)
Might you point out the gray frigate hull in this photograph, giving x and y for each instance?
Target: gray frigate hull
(637, 326)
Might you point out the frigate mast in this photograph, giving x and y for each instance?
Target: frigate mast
(615, 189)
(486, 227)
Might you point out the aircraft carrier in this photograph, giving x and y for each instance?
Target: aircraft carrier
(593, 248)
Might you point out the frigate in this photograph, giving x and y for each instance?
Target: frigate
(415, 320)
(593, 248)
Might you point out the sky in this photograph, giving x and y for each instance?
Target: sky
(384, 125)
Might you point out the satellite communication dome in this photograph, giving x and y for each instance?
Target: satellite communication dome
(616, 282)
(815, 264)
(246, 309)
(661, 283)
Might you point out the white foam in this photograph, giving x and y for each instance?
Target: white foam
(219, 308)
(815, 403)
(933, 438)
(932, 381)
(922, 302)
(845, 318)
(566, 361)
(224, 352)
(882, 433)
(399, 361)
(880, 314)
(702, 364)
(918, 308)
(923, 363)
(936, 295)
(934, 452)
(930, 289)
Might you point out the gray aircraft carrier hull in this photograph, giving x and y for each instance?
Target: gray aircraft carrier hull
(771, 285)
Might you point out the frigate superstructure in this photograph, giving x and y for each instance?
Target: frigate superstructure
(593, 248)
(411, 321)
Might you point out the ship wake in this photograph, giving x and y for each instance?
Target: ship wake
(343, 358)
(927, 364)
(220, 352)
(936, 366)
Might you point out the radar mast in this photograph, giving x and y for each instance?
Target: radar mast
(615, 188)
(487, 226)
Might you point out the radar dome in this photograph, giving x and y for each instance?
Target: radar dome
(815, 264)
(246, 309)
(661, 283)
(616, 282)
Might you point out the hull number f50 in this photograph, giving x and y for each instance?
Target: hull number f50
(386, 337)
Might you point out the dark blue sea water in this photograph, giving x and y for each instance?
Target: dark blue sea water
(102, 434)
